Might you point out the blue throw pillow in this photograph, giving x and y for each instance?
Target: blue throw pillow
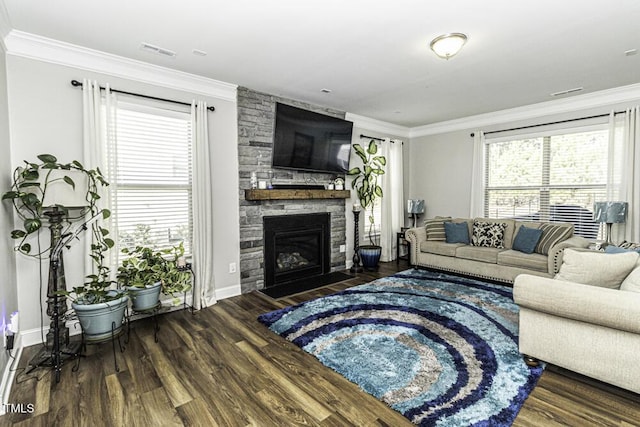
(527, 239)
(610, 249)
(456, 232)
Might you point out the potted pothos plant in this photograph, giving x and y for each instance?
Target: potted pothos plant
(147, 272)
(365, 182)
(31, 192)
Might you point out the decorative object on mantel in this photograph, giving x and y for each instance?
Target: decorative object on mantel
(339, 184)
(438, 348)
(365, 182)
(415, 207)
(356, 268)
(610, 213)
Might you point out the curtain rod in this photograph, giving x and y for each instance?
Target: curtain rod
(377, 139)
(76, 83)
(550, 123)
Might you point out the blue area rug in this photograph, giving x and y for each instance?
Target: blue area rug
(440, 349)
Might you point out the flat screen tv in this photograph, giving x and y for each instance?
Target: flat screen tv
(309, 141)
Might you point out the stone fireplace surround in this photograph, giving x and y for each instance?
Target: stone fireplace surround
(256, 112)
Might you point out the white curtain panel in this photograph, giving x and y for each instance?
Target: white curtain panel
(392, 203)
(204, 286)
(99, 124)
(624, 170)
(477, 176)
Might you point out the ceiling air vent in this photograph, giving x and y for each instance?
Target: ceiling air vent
(568, 91)
(156, 49)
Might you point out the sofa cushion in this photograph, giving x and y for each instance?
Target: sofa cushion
(632, 281)
(475, 253)
(533, 261)
(440, 248)
(488, 234)
(435, 228)
(527, 239)
(456, 232)
(596, 268)
(552, 234)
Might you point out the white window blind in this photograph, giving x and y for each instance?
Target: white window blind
(153, 177)
(555, 177)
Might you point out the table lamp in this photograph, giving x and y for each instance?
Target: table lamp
(610, 213)
(415, 207)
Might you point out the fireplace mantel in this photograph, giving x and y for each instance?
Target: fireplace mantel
(295, 194)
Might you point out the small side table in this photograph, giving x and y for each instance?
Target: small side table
(401, 241)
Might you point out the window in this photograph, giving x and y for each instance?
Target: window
(553, 177)
(152, 162)
(377, 222)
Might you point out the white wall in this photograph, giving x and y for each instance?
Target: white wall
(46, 117)
(8, 286)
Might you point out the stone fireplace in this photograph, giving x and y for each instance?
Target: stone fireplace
(255, 140)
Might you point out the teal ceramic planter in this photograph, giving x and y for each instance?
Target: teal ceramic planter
(145, 298)
(102, 321)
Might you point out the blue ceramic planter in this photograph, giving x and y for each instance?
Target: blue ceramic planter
(370, 256)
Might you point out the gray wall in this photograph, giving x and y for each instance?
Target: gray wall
(440, 165)
(8, 284)
(46, 117)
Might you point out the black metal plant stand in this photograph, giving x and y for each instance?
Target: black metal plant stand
(356, 267)
(113, 337)
(58, 346)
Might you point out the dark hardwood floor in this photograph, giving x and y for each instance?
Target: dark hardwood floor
(220, 367)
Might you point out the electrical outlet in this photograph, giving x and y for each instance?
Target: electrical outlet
(343, 248)
(232, 267)
(9, 344)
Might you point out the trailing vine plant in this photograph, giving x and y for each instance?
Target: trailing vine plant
(30, 186)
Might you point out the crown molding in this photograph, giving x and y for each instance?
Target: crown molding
(597, 99)
(378, 125)
(31, 46)
(5, 25)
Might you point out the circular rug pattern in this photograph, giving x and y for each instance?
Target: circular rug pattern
(438, 348)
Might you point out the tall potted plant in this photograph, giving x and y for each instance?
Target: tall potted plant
(365, 183)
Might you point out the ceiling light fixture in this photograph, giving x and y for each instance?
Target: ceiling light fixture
(448, 45)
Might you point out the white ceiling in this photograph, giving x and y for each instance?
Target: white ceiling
(373, 55)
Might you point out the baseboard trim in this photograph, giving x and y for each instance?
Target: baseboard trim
(228, 292)
(9, 374)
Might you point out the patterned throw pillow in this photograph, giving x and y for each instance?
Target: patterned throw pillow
(435, 228)
(551, 235)
(629, 245)
(488, 234)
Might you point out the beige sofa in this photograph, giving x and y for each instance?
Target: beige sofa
(585, 328)
(501, 264)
